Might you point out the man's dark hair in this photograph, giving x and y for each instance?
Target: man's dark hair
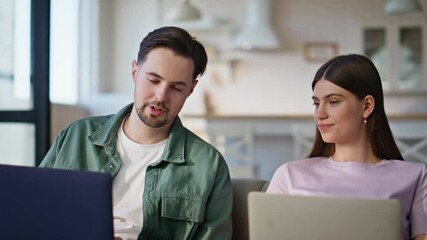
(180, 42)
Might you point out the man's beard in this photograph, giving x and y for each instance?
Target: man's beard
(152, 120)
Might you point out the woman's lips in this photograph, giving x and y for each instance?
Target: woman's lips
(324, 127)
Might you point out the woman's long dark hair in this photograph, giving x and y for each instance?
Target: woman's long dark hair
(358, 75)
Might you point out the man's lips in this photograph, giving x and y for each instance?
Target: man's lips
(155, 110)
(323, 127)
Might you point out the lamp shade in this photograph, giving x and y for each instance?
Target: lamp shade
(183, 12)
(257, 34)
(402, 6)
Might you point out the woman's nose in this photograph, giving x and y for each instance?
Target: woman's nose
(320, 112)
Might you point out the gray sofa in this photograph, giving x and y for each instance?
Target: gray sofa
(241, 188)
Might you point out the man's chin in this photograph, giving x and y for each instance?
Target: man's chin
(155, 123)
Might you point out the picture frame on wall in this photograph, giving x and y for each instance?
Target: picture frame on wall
(320, 51)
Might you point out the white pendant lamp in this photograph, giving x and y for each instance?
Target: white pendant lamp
(257, 34)
(402, 6)
(183, 12)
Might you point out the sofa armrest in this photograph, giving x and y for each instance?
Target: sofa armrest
(241, 189)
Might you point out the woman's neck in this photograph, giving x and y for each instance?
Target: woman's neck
(358, 153)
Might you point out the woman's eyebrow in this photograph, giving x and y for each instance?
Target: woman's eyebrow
(327, 96)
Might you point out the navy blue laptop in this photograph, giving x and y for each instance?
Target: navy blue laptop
(42, 203)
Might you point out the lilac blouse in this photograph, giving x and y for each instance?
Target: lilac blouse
(387, 179)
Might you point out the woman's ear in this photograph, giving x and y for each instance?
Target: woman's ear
(369, 106)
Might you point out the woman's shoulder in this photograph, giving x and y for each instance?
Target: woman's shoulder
(311, 160)
(304, 162)
(409, 166)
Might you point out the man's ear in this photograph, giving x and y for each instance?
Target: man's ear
(193, 85)
(134, 70)
(369, 106)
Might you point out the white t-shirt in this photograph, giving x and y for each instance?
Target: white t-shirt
(128, 185)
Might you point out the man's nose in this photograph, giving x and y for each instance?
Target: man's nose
(161, 93)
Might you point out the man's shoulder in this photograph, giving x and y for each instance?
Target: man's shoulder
(96, 122)
(193, 138)
(199, 148)
(90, 122)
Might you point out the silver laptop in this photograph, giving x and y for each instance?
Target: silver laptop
(284, 217)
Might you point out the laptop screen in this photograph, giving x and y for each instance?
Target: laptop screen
(42, 203)
(277, 216)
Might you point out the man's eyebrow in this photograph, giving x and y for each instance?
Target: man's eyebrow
(160, 77)
(154, 74)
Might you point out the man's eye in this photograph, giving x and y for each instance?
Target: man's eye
(177, 89)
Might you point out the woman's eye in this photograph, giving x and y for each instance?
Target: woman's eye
(316, 104)
(333, 102)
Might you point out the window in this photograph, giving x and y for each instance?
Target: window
(24, 79)
(397, 52)
(64, 51)
(410, 52)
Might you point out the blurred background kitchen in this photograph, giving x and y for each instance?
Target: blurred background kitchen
(62, 60)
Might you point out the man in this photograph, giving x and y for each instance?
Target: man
(168, 183)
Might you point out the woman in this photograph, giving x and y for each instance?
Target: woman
(354, 153)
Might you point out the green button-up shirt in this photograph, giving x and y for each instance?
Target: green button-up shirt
(187, 195)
